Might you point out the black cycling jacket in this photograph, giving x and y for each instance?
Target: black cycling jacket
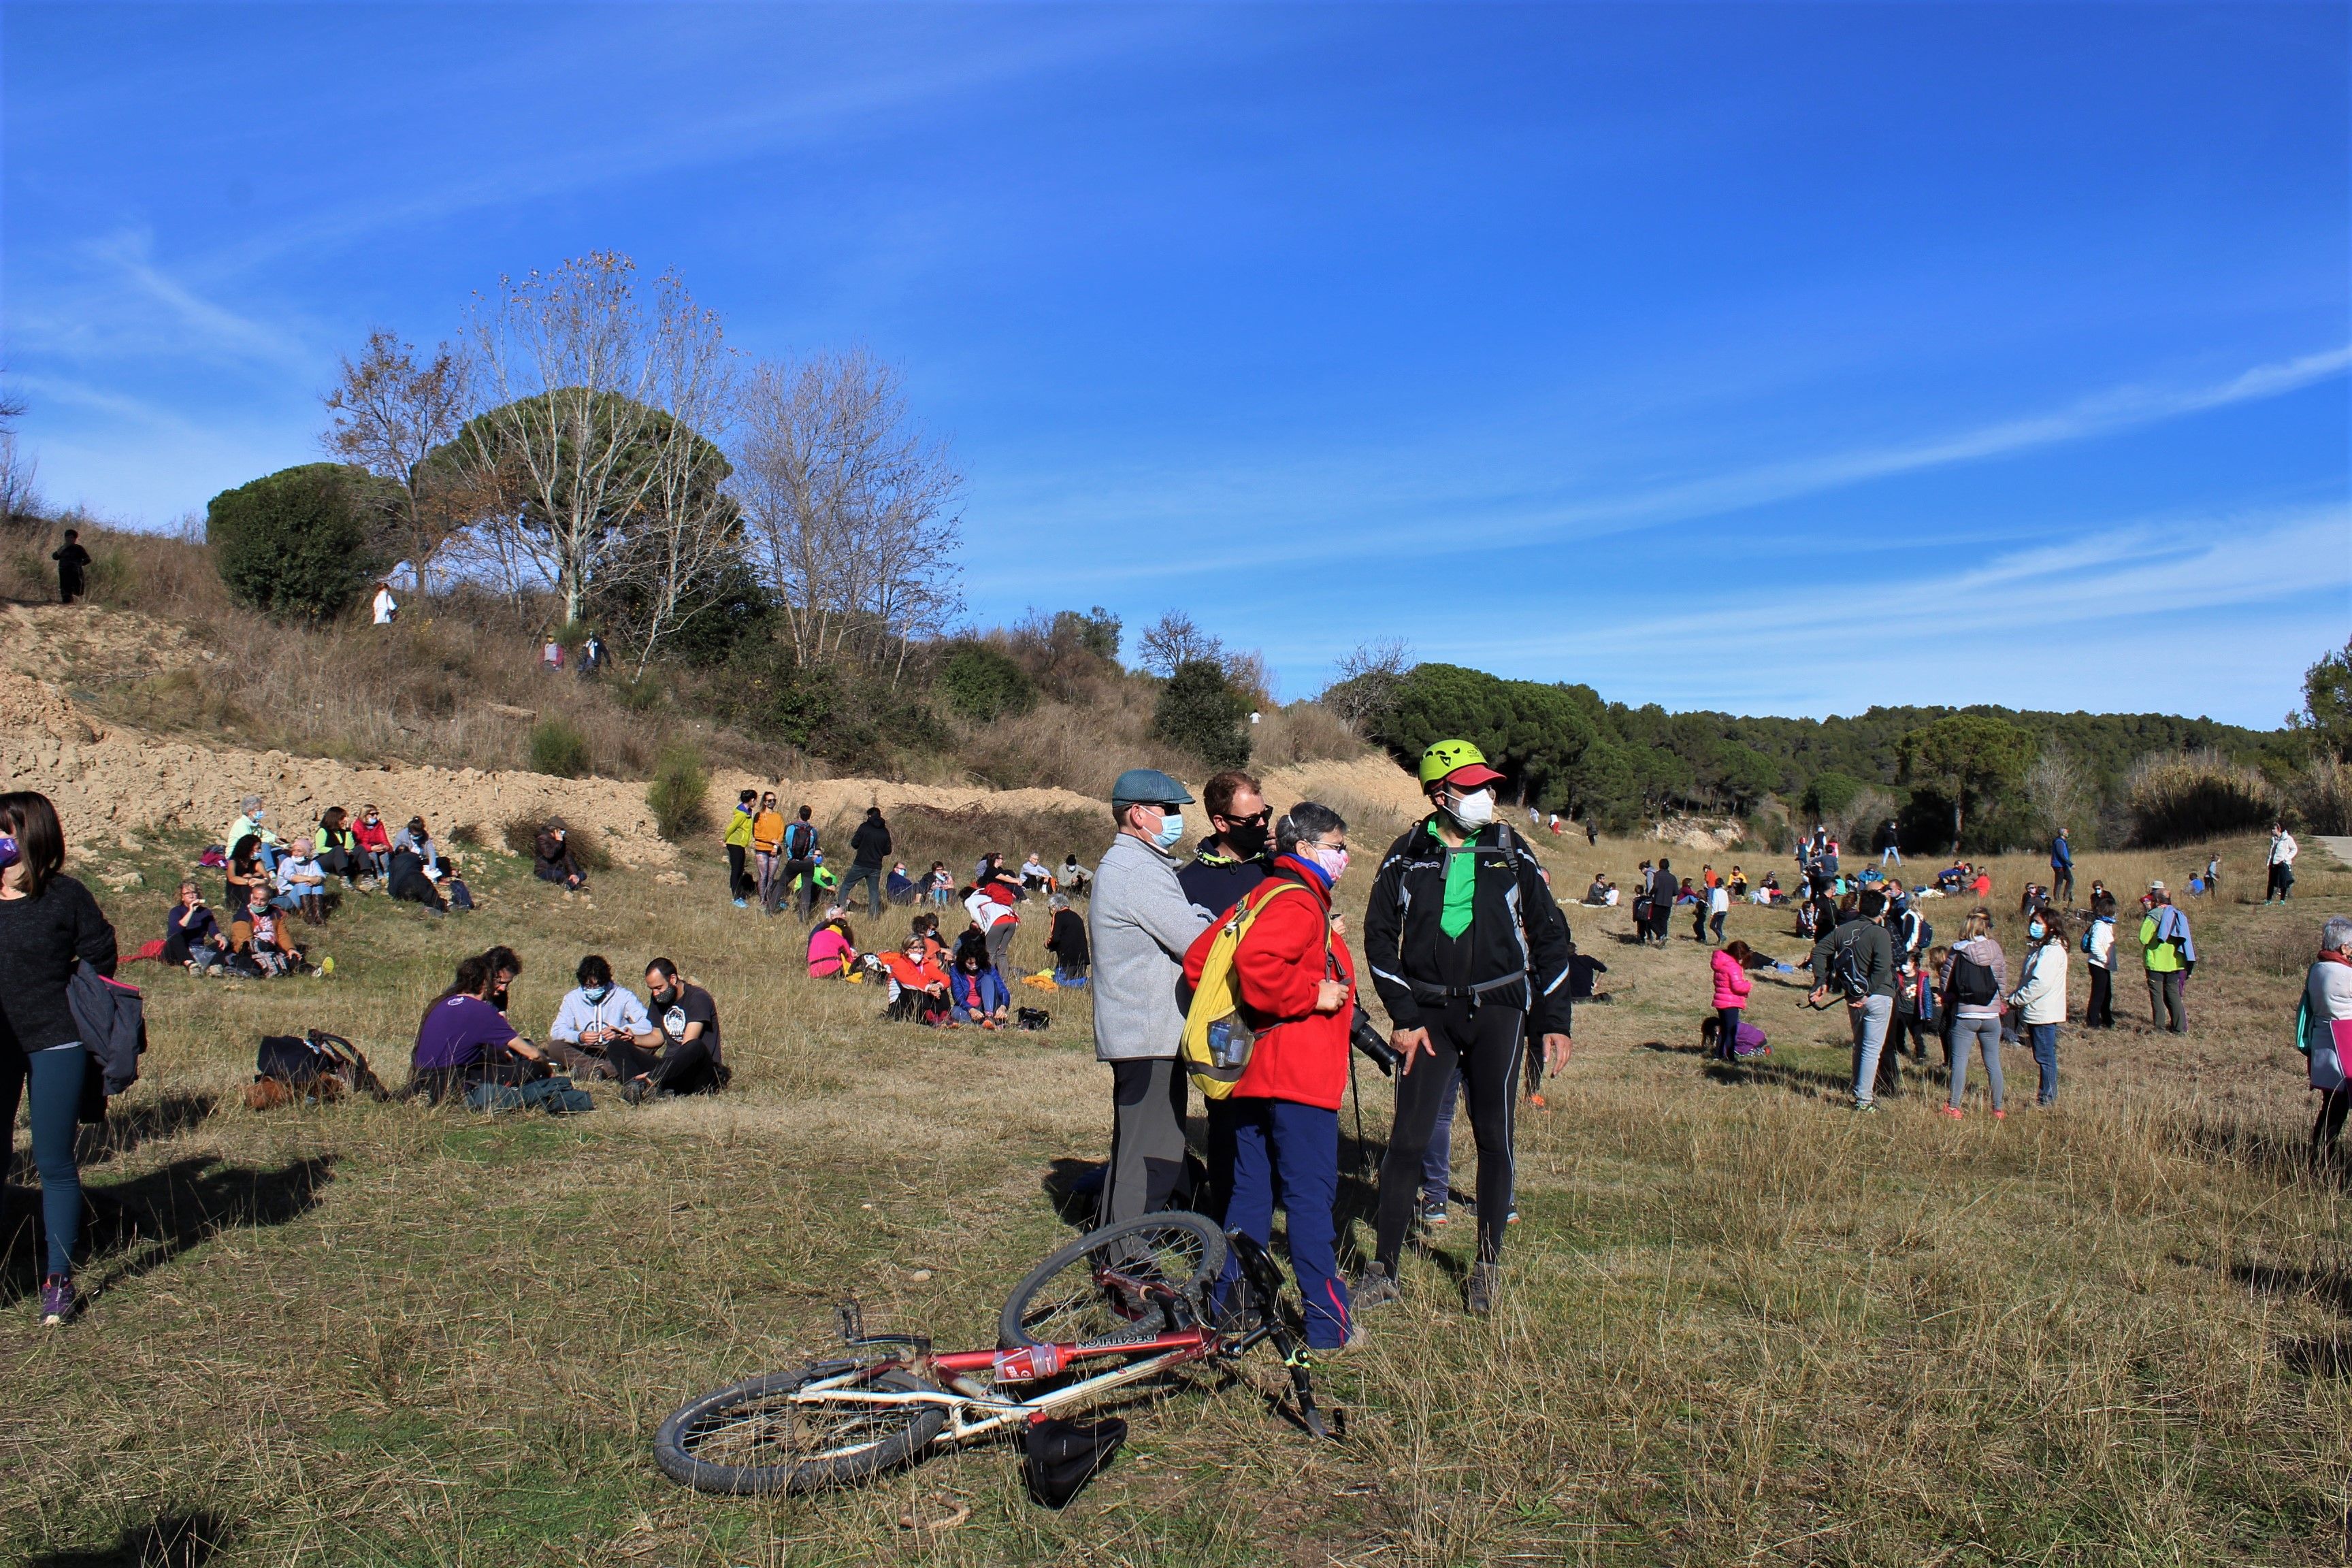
(1415, 966)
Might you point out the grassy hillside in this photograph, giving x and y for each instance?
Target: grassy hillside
(1740, 1325)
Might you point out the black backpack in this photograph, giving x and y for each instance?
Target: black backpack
(1973, 984)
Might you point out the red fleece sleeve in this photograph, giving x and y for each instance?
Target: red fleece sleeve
(1280, 962)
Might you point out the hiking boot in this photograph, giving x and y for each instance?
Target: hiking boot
(634, 1092)
(1486, 1279)
(1375, 1286)
(1512, 1217)
(58, 1303)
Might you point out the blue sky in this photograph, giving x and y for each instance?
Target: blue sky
(1769, 358)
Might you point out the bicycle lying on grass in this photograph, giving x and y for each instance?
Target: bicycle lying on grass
(1115, 1309)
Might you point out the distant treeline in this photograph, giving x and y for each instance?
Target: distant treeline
(1984, 776)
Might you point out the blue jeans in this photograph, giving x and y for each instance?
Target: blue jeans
(2045, 1057)
(56, 1079)
(1868, 1023)
(1289, 1153)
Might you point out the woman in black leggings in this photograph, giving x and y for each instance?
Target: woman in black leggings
(48, 922)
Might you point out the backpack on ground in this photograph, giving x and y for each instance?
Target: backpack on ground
(316, 1066)
(1218, 1039)
(1031, 1019)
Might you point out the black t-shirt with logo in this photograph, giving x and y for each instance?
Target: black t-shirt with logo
(691, 1006)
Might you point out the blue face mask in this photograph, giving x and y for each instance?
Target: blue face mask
(2037, 930)
(1171, 828)
(596, 993)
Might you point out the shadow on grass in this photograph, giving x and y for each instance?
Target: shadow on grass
(2278, 1279)
(146, 1122)
(2284, 1155)
(129, 1228)
(171, 1540)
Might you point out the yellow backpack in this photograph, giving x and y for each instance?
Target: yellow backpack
(1217, 1040)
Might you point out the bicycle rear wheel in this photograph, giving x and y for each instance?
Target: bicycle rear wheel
(758, 1436)
(1142, 1277)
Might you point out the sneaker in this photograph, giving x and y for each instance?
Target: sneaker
(1375, 1286)
(634, 1092)
(1537, 1101)
(742, 903)
(1865, 1107)
(1433, 1213)
(1953, 1112)
(1486, 1279)
(1999, 1115)
(58, 1303)
(1512, 1217)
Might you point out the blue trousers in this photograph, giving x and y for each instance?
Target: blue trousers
(56, 1079)
(2045, 1058)
(1289, 1153)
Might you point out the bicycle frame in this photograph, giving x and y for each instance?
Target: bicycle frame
(975, 1409)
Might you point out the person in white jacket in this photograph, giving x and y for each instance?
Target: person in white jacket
(2326, 1002)
(2099, 947)
(2041, 994)
(2282, 866)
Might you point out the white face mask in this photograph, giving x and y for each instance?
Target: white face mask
(1472, 810)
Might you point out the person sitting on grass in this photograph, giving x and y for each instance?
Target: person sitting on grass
(1597, 894)
(550, 857)
(831, 946)
(1034, 878)
(259, 937)
(1074, 878)
(463, 1039)
(336, 848)
(980, 994)
(302, 884)
(594, 1014)
(898, 887)
(927, 926)
(245, 873)
(687, 1060)
(191, 937)
(921, 985)
(375, 843)
(415, 870)
(1068, 943)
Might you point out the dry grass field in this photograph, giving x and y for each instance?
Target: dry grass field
(1741, 1325)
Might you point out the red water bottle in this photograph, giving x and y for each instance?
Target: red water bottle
(1028, 1363)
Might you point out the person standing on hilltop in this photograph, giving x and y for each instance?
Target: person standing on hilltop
(800, 867)
(72, 561)
(2062, 869)
(384, 605)
(1464, 942)
(1139, 925)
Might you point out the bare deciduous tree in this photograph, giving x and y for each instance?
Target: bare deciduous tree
(850, 510)
(1365, 681)
(1173, 640)
(689, 522)
(389, 414)
(18, 471)
(570, 441)
(2059, 791)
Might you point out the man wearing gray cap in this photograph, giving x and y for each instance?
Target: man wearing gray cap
(1139, 924)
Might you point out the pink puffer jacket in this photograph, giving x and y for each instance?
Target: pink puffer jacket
(1731, 981)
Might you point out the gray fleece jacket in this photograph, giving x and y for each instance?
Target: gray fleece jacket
(1139, 924)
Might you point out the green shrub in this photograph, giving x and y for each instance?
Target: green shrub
(640, 693)
(985, 684)
(678, 794)
(2192, 795)
(1200, 712)
(1828, 796)
(299, 544)
(558, 748)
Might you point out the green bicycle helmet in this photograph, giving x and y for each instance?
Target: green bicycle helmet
(1456, 761)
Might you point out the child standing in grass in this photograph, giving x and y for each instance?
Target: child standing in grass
(1729, 965)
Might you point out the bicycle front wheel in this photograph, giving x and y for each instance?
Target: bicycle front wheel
(1142, 1277)
(772, 1435)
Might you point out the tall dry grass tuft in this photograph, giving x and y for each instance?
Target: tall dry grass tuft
(2193, 795)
